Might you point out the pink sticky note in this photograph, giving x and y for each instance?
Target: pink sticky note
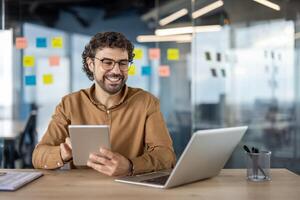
(54, 60)
(21, 43)
(164, 71)
(154, 53)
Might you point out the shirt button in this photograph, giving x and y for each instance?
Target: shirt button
(45, 166)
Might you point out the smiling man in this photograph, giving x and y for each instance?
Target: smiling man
(140, 141)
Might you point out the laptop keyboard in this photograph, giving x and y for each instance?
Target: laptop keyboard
(14, 180)
(161, 180)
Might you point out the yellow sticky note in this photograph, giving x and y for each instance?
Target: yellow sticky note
(132, 70)
(28, 61)
(138, 54)
(47, 79)
(173, 54)
(57, 42)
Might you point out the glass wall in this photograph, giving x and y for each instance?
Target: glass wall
(247, 74)
(211, 63)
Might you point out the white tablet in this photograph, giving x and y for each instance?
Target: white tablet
(87, 139)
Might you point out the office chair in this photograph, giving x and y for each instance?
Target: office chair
(27, 140)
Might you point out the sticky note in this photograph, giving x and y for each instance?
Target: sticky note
(54, 60)
(138, 54)
(21, 43)
(57, 42)
(154, 53)
(132, 70)
(47, 79)
(30, 80)
(173, 54)
(164, 71)
(41, 42)
(28, 61)
(146, 71)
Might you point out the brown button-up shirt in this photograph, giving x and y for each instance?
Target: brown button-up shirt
(137, 129)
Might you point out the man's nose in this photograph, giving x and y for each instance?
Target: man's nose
(116, 69)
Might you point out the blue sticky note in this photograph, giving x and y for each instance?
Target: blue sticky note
(146, 71)
(41, 42)
(30, 80)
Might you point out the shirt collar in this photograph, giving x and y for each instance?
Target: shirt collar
(92, 97)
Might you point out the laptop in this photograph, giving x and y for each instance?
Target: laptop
(205, 155)
(13, 180)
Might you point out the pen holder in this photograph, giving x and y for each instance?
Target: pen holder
(258, 166)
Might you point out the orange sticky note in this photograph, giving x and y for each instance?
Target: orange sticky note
(164, 71)
(173, 54)
(57, 42)
(28, 61)
(54, 60)
(47, 79)
(138, 54)
(132, 70)
(154, 53)
(21, 43)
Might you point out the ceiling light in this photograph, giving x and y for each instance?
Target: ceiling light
(207, 9)
(156, 38)
(173, 17)
(187, 30)
(268, 4)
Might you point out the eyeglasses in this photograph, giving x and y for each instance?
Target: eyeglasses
(109, 64)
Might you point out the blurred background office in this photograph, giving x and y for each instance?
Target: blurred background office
(212, 64)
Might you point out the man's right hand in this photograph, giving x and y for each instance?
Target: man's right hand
(66, 150)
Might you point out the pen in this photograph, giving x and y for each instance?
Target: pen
(254, 150)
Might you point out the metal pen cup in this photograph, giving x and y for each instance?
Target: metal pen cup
(258, 166)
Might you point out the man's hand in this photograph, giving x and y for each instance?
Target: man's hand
(66, 150)
(109, 163)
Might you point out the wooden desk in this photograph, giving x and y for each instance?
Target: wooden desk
(88, 184)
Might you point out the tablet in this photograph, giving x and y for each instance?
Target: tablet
(87, 139)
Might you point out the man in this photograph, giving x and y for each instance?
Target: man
(140, 141)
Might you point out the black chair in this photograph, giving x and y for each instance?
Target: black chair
(27, 140)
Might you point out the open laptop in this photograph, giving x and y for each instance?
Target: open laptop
(204, 157)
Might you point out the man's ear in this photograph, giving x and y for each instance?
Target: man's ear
(90, 64)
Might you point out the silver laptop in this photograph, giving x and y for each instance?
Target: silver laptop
(204, 157)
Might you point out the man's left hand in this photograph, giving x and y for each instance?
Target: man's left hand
(109, 163)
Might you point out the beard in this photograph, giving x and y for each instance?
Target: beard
(112, 83)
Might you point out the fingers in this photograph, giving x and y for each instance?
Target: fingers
(107, 153)
(65, 151)
(100, 168)
(68, 142)
(95, 158)
(109, 163)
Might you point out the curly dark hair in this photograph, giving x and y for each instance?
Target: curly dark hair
(102, 40)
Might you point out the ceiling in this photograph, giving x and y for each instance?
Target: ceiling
(47, 11)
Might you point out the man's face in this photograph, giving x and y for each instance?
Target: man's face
(110, 80)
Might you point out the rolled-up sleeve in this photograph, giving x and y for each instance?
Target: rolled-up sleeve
(158, 152)
(46, 154)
